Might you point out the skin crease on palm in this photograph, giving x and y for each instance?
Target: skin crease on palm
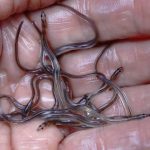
(115, 19)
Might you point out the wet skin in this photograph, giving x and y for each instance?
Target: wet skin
(115, 20)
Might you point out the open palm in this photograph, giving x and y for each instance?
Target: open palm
(115, 20)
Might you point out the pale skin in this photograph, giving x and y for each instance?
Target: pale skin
(115, 19)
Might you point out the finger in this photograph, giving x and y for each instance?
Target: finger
(124, 136)
(114, 20)
(132, 56)
(5, 133)
(10, 7)
(29, 138)
(137, 98)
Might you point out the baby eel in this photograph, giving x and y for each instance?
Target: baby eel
(81, 45)
(38, 70)
(58, 92)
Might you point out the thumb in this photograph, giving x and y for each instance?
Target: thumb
(10, 7)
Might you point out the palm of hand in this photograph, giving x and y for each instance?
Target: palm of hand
(132, 55)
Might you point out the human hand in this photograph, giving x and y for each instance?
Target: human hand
(115, 20)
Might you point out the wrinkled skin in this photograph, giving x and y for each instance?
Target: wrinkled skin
(115, 19)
